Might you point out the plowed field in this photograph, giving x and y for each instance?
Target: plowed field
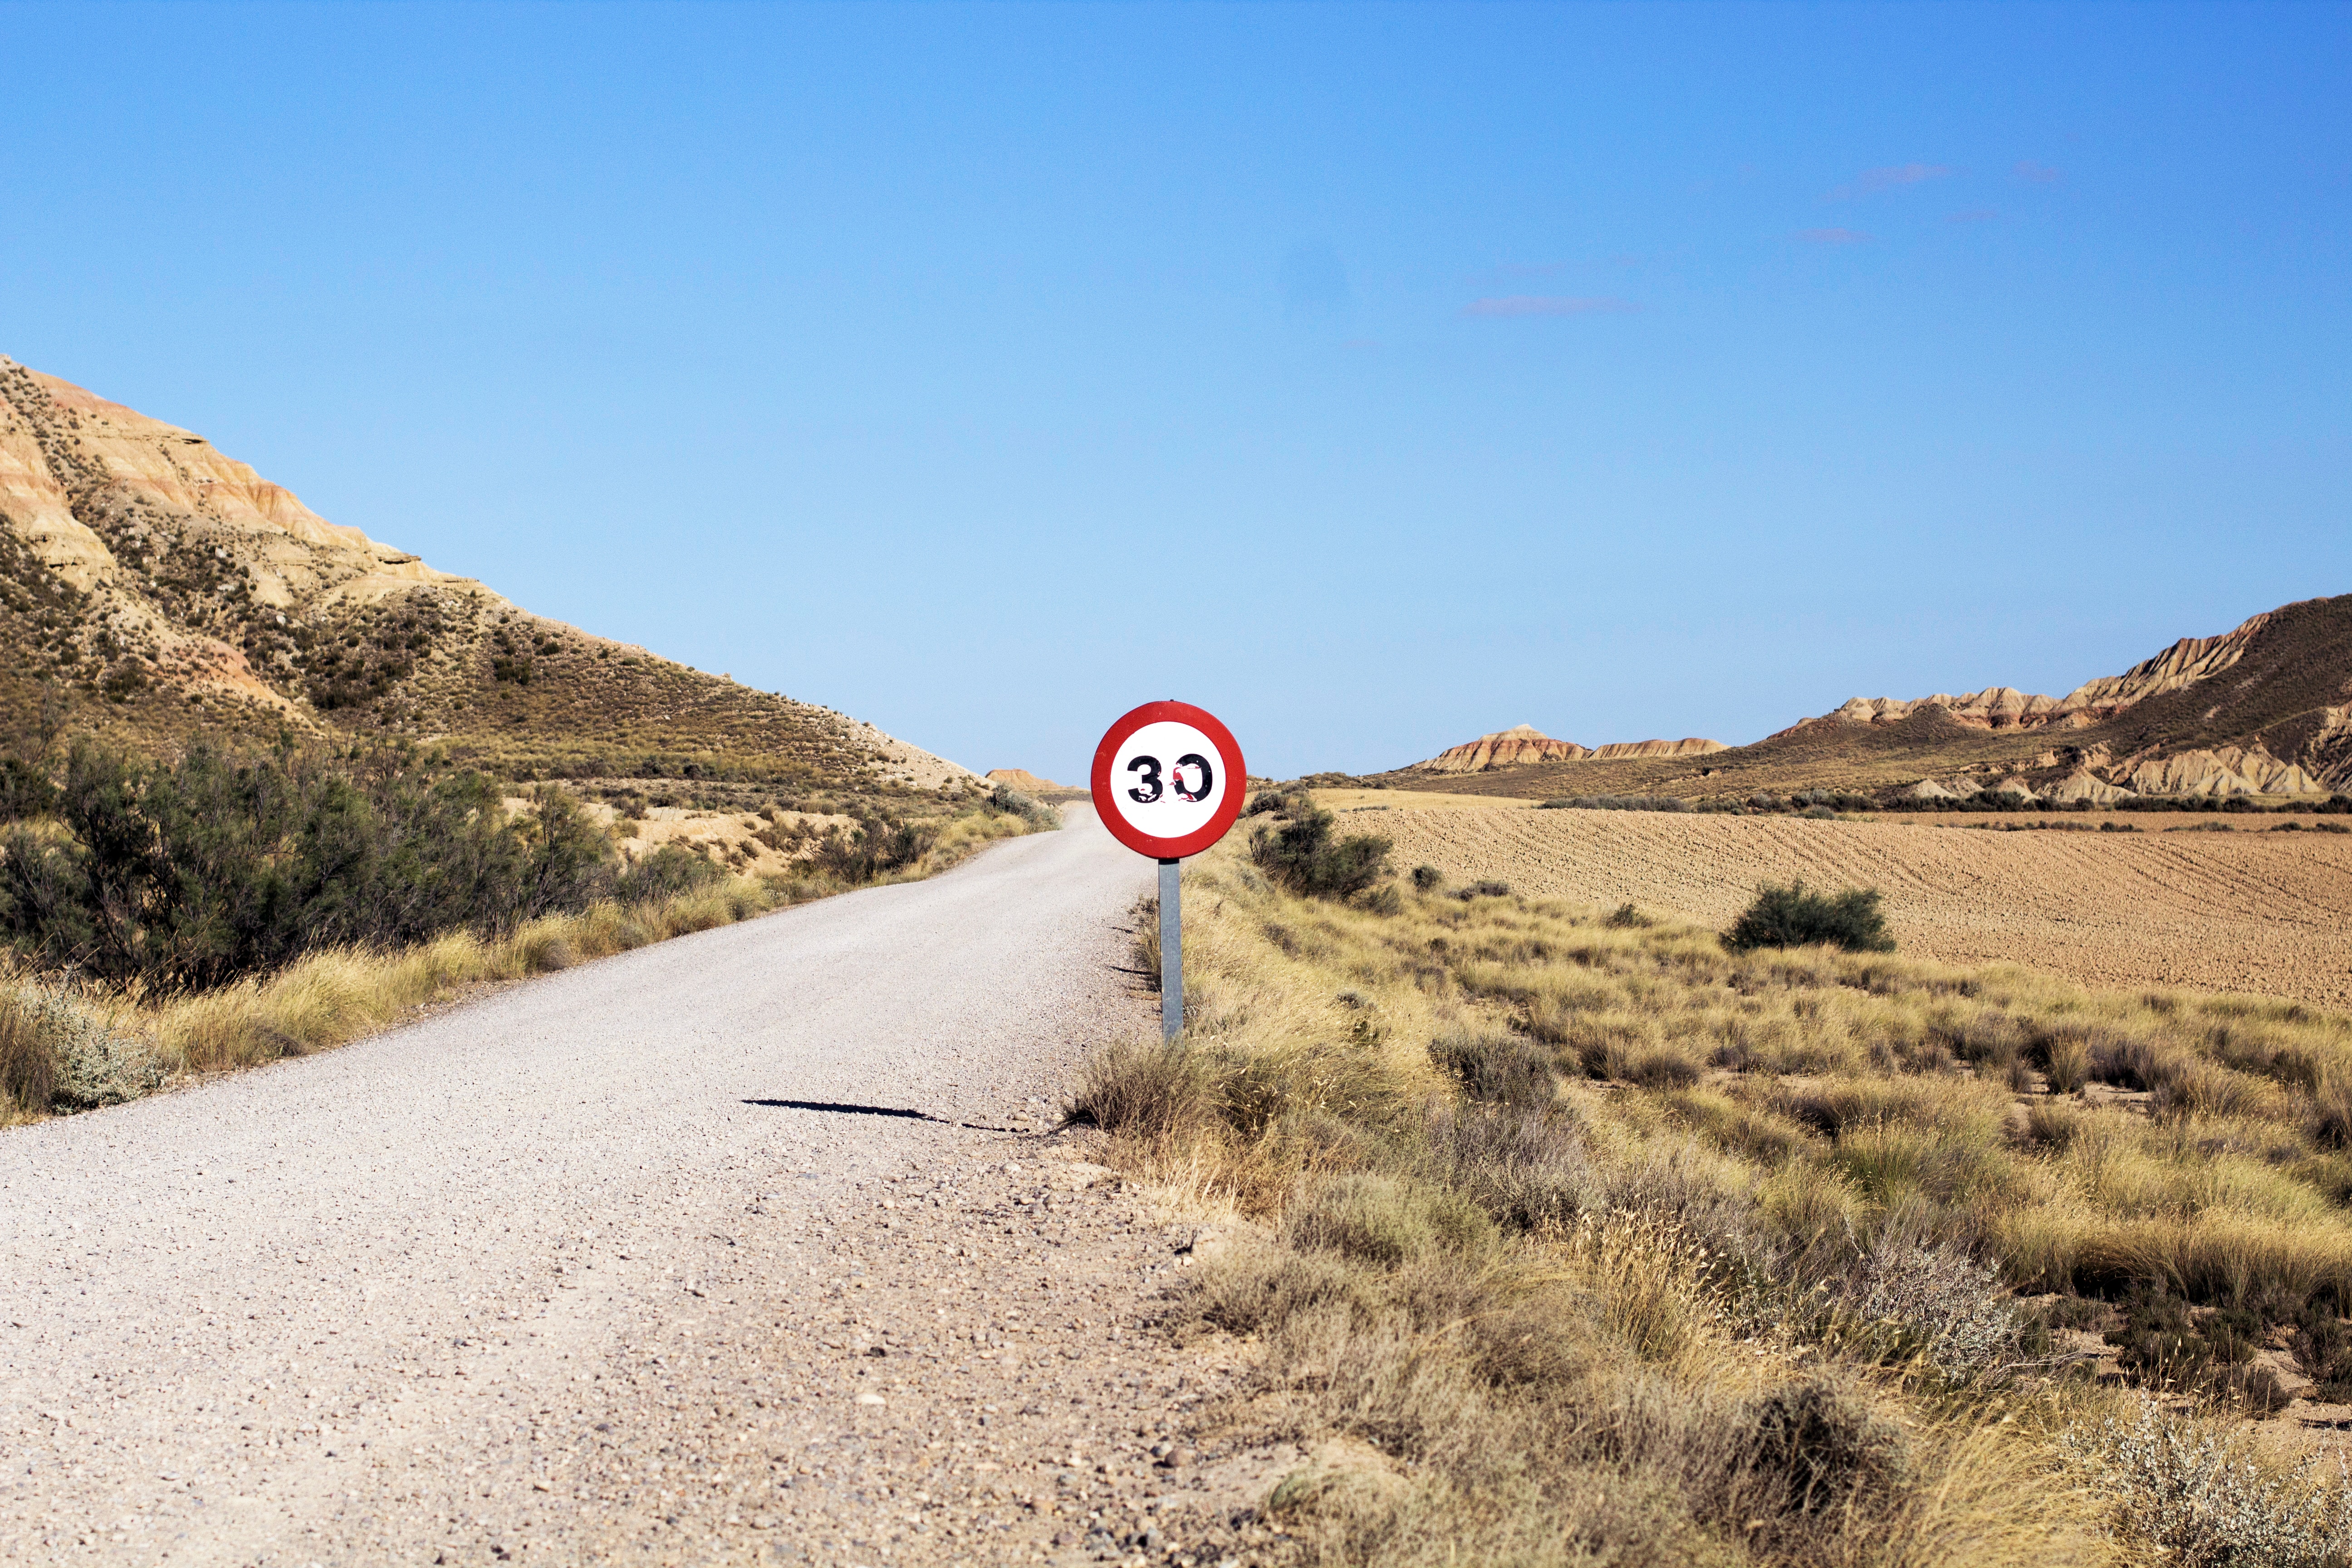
(2236, 912)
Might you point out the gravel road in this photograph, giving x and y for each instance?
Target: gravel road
(573, 1272)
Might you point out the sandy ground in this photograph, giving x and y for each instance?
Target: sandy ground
(2239, 911)
(746, 1247)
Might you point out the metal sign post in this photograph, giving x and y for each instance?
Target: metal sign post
(1168, 782)
(1172, 949)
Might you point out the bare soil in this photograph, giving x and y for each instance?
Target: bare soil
(2262, 913)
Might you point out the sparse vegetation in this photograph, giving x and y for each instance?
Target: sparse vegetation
(216, 910)
(1608, 1240)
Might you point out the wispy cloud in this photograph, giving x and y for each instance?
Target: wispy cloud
(1873, 180)
(1548, 305)
(1832, 237)
(2039, 174)
(1974, 215)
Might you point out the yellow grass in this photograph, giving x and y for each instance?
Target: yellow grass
(1684, 1158)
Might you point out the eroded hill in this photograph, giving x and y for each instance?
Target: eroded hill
(154, 588)
(2265, 708)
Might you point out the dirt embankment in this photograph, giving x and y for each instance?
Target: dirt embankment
(2236, 912)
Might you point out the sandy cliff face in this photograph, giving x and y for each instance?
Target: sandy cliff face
(1691, 746)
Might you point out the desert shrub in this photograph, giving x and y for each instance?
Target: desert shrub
(1618, 803)
(87, 1063)
(1427, 878)
(1499, 1070)
(2192, 1494)
(1302, 856)
(671, 871)
(2322, 1344)
(1486, 889)
(2164, 1341)
(1277, 803)
(24, 791)
(1526, 1169)
(1145, 1091)
(875, 848)
(1938, 1305)
(1794, 917)
(1626, 917)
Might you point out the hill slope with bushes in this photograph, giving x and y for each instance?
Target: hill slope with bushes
(154, 589)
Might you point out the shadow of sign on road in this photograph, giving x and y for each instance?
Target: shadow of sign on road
(835, 1108)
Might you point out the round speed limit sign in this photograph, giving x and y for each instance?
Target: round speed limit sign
(1169, 780)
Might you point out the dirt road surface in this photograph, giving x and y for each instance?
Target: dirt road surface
(582, 1272)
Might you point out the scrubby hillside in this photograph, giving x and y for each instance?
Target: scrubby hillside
(153, 588)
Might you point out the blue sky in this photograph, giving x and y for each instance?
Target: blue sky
(1374, 377)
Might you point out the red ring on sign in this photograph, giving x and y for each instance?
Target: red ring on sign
(1229, 756)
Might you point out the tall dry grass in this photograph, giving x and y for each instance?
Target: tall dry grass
(1594, 1241)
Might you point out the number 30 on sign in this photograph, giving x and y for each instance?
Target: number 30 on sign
(1169, 780)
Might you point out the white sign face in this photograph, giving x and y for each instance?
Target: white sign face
(1168, 779)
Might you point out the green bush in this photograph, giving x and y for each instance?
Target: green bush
(186, 875)
(666, 873)
(1794, 917)
(1301, 856)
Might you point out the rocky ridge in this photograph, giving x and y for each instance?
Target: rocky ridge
(2186, 662)
(2264, 709)
(154, 588)
(1523, 745)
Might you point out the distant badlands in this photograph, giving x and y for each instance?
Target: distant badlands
(1524, 743)
(2263, 710)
